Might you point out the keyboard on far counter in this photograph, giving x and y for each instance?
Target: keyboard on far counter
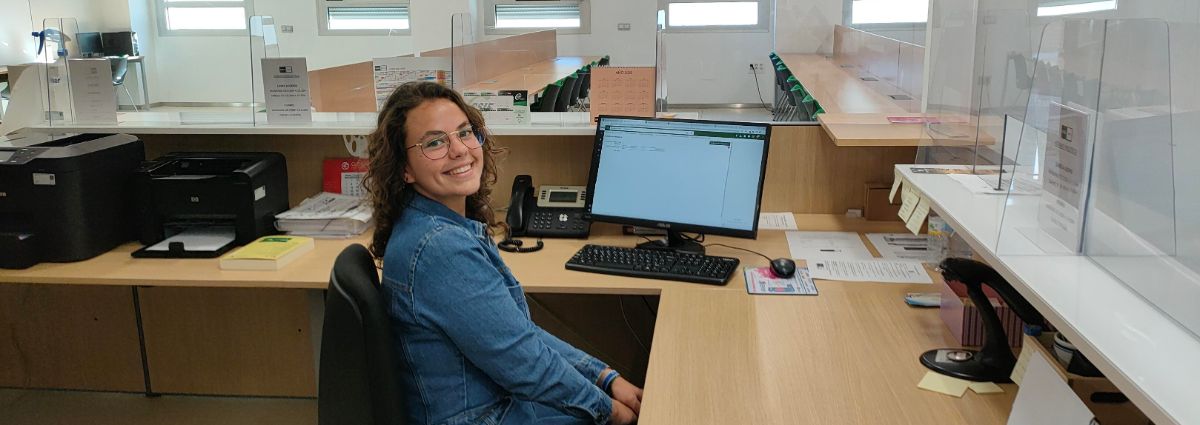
(654, 264)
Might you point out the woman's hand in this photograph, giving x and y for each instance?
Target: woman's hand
(622, 414)
(628, 394)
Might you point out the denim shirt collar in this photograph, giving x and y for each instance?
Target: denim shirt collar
(437, 209)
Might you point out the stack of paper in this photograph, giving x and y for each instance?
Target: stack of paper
(326, 215)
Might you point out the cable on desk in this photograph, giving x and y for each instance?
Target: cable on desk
(743, 249)
(621, 302)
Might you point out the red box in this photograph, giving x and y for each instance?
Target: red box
(343, 175)
(963, 318)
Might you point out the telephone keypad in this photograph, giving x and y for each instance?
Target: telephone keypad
(554, 222)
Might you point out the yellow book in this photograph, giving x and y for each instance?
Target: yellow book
(267, 253)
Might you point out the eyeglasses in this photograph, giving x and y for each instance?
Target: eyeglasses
(437, 146)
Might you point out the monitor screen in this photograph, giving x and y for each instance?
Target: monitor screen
(683, 175)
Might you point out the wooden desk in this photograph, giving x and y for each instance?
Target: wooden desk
(535, 77)
(718, 356)
(855, 114)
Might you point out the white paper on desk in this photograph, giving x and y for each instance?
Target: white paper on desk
(888, 271)
(1045, 398)
(92, 93)
(903, 246)
(777, 221)
(285, 85)
(199, 239)
(808, 245)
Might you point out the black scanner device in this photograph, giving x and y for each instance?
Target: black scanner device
(183, 191)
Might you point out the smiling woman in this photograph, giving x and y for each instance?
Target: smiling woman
(467, 349)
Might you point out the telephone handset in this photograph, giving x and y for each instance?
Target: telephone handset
(552, 211)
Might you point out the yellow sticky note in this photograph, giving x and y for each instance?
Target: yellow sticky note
(896, 179)
(939, 383)
(914, 221)
(908, 202)
(985, 388)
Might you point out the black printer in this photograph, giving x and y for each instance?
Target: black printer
(200, 205)
(65, 197)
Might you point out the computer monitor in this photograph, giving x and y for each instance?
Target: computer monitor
(678, 175)
(90, 44)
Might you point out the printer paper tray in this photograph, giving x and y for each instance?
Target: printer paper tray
(206, 242)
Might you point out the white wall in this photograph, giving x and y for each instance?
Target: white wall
(626, 48)
(91, 15)
(16, 46)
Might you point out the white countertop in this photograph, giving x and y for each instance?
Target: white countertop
(324, 123)
(1153, 359)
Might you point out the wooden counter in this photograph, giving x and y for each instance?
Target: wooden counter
(719, 355)
(535, 77)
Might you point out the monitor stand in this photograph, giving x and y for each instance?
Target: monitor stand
(674, 242)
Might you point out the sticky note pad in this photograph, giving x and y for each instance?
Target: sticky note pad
(985, 388)
(939, 383)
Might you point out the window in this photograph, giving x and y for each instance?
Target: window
(363, 17)
(212, 17)
(1071, 7)
(522, 16)
(875, 12)
(703, 15)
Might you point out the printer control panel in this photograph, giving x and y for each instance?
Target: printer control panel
(19, 156)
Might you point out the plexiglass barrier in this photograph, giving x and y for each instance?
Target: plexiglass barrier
(1102, 166)
(58, 52)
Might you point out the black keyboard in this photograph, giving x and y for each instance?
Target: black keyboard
(653, 264)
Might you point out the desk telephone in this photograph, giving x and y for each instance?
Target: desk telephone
(554, 212)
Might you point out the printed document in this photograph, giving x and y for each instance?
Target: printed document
(808, 245)
(890, 271)
(777, 221)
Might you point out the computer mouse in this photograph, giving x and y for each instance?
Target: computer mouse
(783, 267)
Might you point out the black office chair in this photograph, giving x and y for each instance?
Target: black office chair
(358, 375)
(586, 86)
(548, 98)
(577, 89)
(120, 67)
(604, 61)
(564, 93)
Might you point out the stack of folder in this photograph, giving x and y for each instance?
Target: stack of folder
(326, 215)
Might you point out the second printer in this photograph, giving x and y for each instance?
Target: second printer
(200, 205)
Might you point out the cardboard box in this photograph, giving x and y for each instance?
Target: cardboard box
(878, 207)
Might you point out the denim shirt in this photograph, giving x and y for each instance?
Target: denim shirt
(468, 348)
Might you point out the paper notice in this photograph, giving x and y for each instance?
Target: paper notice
(903, 246)
(777, 221)
(889, 271)
(390, 73)
(285, 85)
(807, 245)
(92, 92)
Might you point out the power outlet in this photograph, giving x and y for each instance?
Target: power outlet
(757, 67)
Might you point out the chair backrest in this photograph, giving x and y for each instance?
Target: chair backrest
(604, 61)
(358, 375)
(120, 67)
(564, 93)
(575, 91)
(549, 97)
(585, 86)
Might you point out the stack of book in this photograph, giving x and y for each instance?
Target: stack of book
(267, 253)
(326, 215)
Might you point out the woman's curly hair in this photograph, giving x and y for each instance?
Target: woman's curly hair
(384, 181)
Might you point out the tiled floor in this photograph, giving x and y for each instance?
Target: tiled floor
(41, 407)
